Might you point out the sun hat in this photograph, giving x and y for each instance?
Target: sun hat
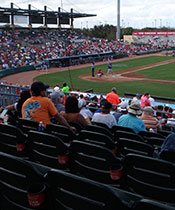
(134, 108)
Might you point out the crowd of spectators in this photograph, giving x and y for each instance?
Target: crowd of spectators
(20, 48)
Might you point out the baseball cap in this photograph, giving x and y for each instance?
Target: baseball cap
(55, 95)
(38, 87)
(107, 105)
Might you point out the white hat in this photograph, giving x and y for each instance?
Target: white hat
(56, 89)
(134, 108)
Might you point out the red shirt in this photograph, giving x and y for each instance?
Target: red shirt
(113, 98)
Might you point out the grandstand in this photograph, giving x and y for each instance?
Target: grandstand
(94, 167)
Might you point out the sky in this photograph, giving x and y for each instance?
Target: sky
(134, 13)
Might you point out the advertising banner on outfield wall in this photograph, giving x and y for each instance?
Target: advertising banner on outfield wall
(153, 33)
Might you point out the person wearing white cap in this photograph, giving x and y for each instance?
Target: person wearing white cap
(55, 98)
(131, 120)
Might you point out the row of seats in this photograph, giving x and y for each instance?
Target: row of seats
(136, 173)
(27, 186)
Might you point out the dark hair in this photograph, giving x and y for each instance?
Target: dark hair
(23, 97)
(71, 105)
(64, 84)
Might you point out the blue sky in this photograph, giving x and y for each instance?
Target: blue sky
(134, 13)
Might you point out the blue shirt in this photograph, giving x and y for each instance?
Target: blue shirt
(131, 121)
(169, 143)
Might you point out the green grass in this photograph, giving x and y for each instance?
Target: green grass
(163, 72)
(71, 77)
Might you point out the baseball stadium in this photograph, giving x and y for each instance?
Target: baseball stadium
(86, 122)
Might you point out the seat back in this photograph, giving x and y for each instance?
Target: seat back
(96, 138)
(145, 204)
(122, 128)
(77, 193)
(26, 125)
(93, 161)
(150, 177)
(147, 134)
(13, 141)
(61, 131)
(16, 177)
(99, 129)
(76, 125)
(128, 135)
(125, 146)
(47, 149)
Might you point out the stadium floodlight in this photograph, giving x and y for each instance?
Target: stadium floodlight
(118, 20)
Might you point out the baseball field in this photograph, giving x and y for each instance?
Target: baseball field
(153, 74)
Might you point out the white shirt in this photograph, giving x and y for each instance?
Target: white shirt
(107, 119)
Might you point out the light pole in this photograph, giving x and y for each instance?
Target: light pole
(118, 20)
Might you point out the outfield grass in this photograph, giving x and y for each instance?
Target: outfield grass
(71, 77)
(163, 72)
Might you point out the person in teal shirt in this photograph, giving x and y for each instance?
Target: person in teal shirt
(65, 87)
(131, 120)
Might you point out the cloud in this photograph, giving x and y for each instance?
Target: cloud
(134, 13)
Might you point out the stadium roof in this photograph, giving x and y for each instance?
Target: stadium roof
(26, 12)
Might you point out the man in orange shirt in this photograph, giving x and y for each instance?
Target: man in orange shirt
(112, 97)
(41, 108)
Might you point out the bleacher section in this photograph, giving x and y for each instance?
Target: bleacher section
(43, 170)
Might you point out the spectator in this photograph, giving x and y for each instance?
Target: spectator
(151, 101)
(72, 112)
(105, 116)
(149, 120)
(17, 107)
(145, 100)
(65, 87)
(169, 143)
(55, 98)
(85, 112)
(39, 107)
(112, 97)
(131, 120)
(136, 97)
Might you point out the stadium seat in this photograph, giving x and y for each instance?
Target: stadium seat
(155, 142)
(95, 162)
(150, 177)
(26, 125)
(74, 192)
(126, 146)
(13, 141)
(48, 150)
(97, 138)
(164, 133)
(76, 125)
(128, 135)
(145, 204)
(101, 124)
(17, 176)
(148, 134)
(64, 133)
(99, 129)
(121, 128)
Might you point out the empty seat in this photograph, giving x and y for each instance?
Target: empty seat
(150, 177)
(48, 150)
(74, 192)
(95, 162)
(125, 146)
(13, 141)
